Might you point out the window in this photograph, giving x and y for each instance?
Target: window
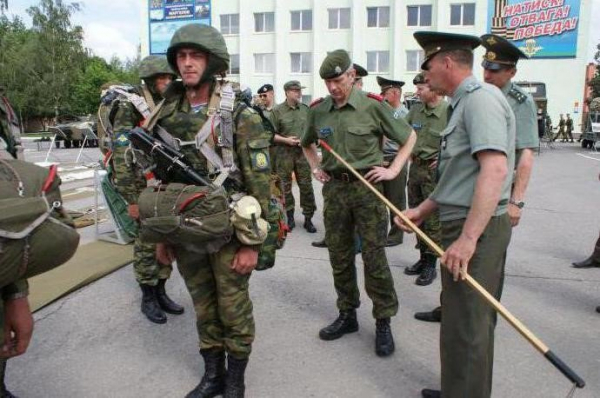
(419, 15)
(264, 22)
(234, 64)
(462, 14)
(301, 62)
(339, 18)
(378, 61)
(378, 17)
(302, 20)
(230, 24)
(414, 59)
(264, 63)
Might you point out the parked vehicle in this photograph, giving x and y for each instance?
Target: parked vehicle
(74, 130)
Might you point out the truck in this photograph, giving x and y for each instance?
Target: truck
(591, 132)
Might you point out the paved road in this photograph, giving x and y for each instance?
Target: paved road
(96, 343)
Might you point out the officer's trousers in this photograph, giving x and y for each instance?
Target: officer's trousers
(291, 160)
(395, 191)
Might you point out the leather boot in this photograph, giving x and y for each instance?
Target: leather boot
(290, 219)
(213, 381)
(384, 340)
(598, 309)
(165, 302)
(150, 306)
(308, 225)
(429, 393)
(345, 323)
(417, 267)
(428, 274)
(319, 243)
(591, 261)
(431, 316)
(4, 393)
(234, 384)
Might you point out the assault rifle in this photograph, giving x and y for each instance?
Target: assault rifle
(170, 163)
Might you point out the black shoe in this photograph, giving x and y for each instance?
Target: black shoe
(428, 393)
(598, 309)
(213, 381)
(416, 268)
(150, 306)
(427, 276)
(384, 340)
(290, 219)
(432, 316)
(4, 393)
(234, 384)
(587, 263)
(308, 225)
(165, 302)
(345, 323)
(319, 243)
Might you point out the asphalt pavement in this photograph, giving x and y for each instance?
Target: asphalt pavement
(96, 343)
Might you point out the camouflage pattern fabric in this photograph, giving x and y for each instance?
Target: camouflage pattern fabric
(421, 183)
(348, 204)
(153, 65)
(291, 160)
(146, 269)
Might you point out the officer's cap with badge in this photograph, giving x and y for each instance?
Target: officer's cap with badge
(335, 64)
(265, 88)
(360, 71)
(437, 42)
(419, 79)
(293, 85)
(500, 53)
(386, 84)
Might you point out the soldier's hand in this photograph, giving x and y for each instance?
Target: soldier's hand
(164, 253)
(413, 215)
(133, 211)
(378, 174)
(293, 141)
(457, 256)
(433, 164)
(18, 327)
(514, 212)
(321, 175)
(245, 260)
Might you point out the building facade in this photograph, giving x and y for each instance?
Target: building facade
(273, 41)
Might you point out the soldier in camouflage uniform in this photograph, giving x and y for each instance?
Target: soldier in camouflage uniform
(218, 282)
(289, 119)
(353, 123)
(130, 181)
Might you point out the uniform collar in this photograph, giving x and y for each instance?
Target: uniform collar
(436, 110)
(462, 90)
(353, 99)
(285, 103)
(507, 87)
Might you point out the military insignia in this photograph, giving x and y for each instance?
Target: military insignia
(490, 55)
(491, 40)
(260, 161)
(444, 142)
(122, 139)
(338, 70)
(472, 87)
(396, 114)
(417, 126)
(325, 132)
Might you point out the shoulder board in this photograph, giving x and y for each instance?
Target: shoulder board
(517, 94)
(375, 96)
(473, 87)
(316, 102)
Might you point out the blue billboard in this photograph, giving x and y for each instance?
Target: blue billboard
(166, 16)
(540, 28)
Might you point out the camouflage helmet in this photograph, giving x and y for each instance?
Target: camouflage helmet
(205, 38)
(154, 65)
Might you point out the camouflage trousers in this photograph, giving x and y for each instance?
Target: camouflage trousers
(221, 300)
(421, 183)
(349, 205)
(146, 269)
(291, 160)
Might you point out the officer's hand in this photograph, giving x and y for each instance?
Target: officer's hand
(377, 174)
(321, 175)
(433, 164)
(133, 211)
(293, 141)
(514, 212)
(413, 215)
(245, 260)
(457, 256)
(18, 327)
(164, 253)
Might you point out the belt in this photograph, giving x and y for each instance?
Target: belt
(346, 176)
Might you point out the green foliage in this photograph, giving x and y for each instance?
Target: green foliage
(595, 82)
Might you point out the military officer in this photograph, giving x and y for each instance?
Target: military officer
(156, 74)
(361, 72)
(353, 122)
(289, 119)
(561, 129)
(217, 282)
(394, 190)
(428, 118)
(266, 94)
(569, 127)
(472, 195)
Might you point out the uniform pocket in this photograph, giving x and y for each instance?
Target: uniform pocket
(361, 141)
(259, 154)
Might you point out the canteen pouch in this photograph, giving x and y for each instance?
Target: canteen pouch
(277, 227)
(197, 217)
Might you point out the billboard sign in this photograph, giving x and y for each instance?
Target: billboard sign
(166, 16)
(540, 28)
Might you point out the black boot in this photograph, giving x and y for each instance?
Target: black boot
(234, 385)
(429, 393)
(597, 309)
(345, 323)
(384, 340)
(4, 393)
(290, 219)
(428, 273)
(213, 381)
(431, 316)
(319, 243)
(167, 305)
(150, 306)
(308, 225)
(587, 263)
(417, 267)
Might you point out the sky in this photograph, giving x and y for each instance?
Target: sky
(115, 30)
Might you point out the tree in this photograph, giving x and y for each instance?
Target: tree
(3, 5)
(595, 82)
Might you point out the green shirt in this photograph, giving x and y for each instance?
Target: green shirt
(428, 123)
(289, 121)
(523, 106)
(354, 131)
(481, 120)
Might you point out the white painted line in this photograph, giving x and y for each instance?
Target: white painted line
(588, 157)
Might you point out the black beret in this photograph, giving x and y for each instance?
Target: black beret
(265, 88)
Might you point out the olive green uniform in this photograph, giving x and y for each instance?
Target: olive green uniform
(355, 131)
(288, 122)
(428, 123)
(481, 120)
